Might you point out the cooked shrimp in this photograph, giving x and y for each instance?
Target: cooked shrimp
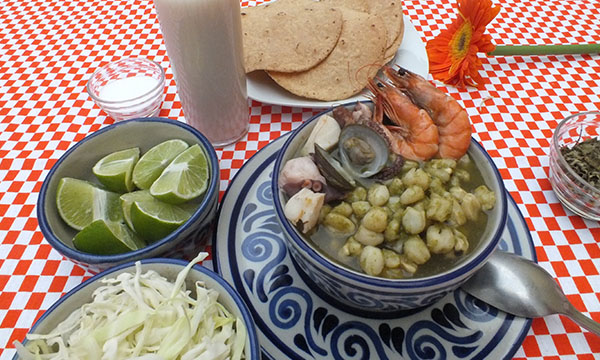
(414, 135)
(451, 119)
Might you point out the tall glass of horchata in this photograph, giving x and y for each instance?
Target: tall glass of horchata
(204, 45)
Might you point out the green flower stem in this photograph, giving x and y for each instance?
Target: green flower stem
(546, 49)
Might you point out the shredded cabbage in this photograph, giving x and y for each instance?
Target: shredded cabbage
(143, 316)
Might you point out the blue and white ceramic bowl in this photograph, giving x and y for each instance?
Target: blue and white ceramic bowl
(365, 292)
(168, 268)
(77, 162)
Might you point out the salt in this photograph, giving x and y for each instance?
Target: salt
(127, 88)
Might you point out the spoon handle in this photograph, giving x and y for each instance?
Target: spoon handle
(584, 321)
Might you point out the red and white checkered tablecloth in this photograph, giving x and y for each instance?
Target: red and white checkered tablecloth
(48, 49)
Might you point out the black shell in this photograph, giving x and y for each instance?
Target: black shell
(332, 170)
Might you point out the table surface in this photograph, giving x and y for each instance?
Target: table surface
(48, 50)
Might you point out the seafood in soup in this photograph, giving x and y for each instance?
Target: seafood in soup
(397, 197)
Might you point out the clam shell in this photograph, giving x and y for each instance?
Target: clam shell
(363, 152)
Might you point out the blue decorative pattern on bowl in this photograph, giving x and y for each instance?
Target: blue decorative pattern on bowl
(370, 299)
(297, 319)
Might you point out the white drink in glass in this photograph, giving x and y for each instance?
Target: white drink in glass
(204, 45)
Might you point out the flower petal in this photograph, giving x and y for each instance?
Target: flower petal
(453, 52)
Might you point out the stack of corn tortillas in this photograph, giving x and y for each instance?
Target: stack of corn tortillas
(326, 50)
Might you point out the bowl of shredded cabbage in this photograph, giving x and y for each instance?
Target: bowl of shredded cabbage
(153, 309)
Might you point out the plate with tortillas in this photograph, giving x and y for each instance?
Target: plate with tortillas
(320, 53)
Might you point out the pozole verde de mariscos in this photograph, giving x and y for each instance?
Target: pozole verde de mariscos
(405, 218)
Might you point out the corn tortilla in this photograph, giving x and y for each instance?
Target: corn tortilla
(355, 60)
(391, 51)
(357, 5)
(289, 35)
(391, 13)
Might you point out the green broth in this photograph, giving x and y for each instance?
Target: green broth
(330, 243)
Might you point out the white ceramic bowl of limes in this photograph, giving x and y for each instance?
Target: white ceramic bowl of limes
(77, 165)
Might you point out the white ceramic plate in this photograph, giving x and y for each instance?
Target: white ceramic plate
(411, 55)
(296, 320)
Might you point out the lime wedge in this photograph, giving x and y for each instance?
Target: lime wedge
(107, 238)
(80, 202)
(115, 170)
(184, 179)
(153, 219)
(127, 200)
(155, 160)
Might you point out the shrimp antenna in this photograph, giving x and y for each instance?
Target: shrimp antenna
(378, 66)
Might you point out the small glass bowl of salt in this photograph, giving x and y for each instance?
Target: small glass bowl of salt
(128, 88)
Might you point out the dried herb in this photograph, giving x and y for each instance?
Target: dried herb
(584, 159)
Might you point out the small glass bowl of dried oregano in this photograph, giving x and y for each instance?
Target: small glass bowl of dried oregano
(575, 164)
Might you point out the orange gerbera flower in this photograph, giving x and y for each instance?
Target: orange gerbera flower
(453, 53)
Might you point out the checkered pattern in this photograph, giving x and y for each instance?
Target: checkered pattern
(48, 49)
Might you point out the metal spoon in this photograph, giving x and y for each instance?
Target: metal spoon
(521, 287)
